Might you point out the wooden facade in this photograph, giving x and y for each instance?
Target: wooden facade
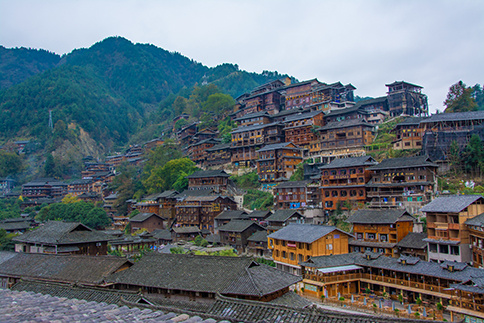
(342, 138)
(343, 182)
(300, 128)
(197, 151)
(379, 231)
(277, 163)
(447, 234)
(297, 243)
(409, 134)
(216, 180)
(296, 195)
(200, 211)
(406, 99)
(246, 141)
(220, 154)
(475, 226)
(409, 182)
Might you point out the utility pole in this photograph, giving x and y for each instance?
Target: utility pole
(51, 123)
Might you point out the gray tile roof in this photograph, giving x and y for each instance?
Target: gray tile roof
(380, 216)
(389, 263)
(256, 127)
(62, 268)
(188, 229)
(451, 204)
(413, 240)
(351, 162)
(166, 194)
(214, 274)
(307, 233)
(232, 214)
(302, 115)
(404, 162)
(161, 234)
(6, 255)
(219, 147)
(345, 124)
(57, 232)
(141, 217)
(478, 220)
(90, 294)
(458, 116)
(209, 173)
(279, 146)
(15, 225)
(283, 215)
(259, 214)
(411, 121)
(259, 236)
(293, 184)
(239, 226)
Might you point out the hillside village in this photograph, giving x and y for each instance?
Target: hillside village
(341, 221)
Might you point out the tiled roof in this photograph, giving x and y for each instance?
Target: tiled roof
(279, 146)
(6, 255)
(451, 204)
(389, 263)
(478, 220)
(166, 194)
(141, 217)
(188, 229)
(239, 310)
(404, 162)
(209, 173)
(345, 124)
(57, 232)
(89, 294)
(283, 215)
(256, 127)
(302, 115)
(254, 115)
(288, 112)
(457, 116)
(62, 268)
(307, 233)
(411, 121)
(239, 226)
(231, 214)
(293, 184)
(15, 225)
(219, 147)
(380, 216)
(259, 236)
(351, 162)
(161, 234)
(214, 274)
(259, 214)
(413, 240)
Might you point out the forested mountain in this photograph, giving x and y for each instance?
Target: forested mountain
(109, 90)
(18, 64)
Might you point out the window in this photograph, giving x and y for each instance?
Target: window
(277, 253)
(284, 255)
(370, 236)
(359, 236)
(291, 256)
(454, 250)
(383, 237)
(444, 248)
(300, 258)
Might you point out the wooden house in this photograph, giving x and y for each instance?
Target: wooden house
(407, 182)
(447, 234)
(440, 130)
(247, 140)
(379, 230)
(200, 211)
(413, 245)
(57, 237)
(406, 99)
(354, 275)
(409, 134)
(148, 221)
(277, 163)
(343, 139)
(294, 195)
(266, 97)
(217, 180)
(236, 232)
(475, 226)
(228, 215)
(257, 244)
(254, 119)
(343, 182)
(44, 188)
(296, 243)
(186, 233)
(300, 128)
(197, 151)
(282, 218)
(220, 154)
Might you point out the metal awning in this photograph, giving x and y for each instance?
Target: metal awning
(338, 268)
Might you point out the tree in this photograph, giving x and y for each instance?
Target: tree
(10, 164)
(473, 155)
(84, 212)
(454, 157)
(164, 178)
(49, 166)
(6, 242)
(459, 99)
(69, 198)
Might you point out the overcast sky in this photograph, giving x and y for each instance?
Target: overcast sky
(366, 43)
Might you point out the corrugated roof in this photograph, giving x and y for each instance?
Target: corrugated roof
(451, 204)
